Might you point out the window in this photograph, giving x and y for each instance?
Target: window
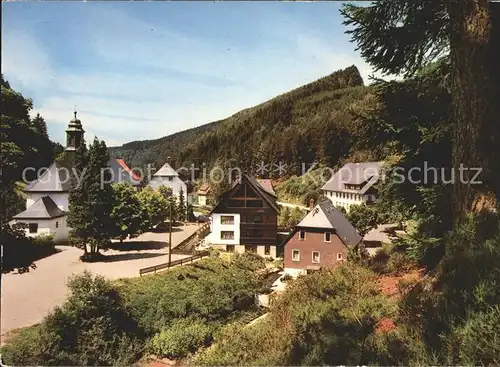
(315, 257)
(328, 236)
(227, 235)
(267, 250)
(227, 219)
(295, 255)
(235, 203)
(302, 235)
(230, 248)
(33, 227)
(254, 203)
(252, 233)
(339, 256)
(252, 249)
(257, 219)
(57, 224)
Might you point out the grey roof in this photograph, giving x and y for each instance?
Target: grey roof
(366, 174)
(43, 208)
(326, 216)
(166, 170)
(55, 178)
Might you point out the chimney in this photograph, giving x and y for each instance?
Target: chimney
(311, 204)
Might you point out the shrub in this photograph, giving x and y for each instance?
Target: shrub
(44, 240)
(90, 328)
(286, 278)
(330, 310)
(210, 289)
(249, 261)
(24, 348)
(183, 337)
(19, 251)
(399, 263)
(477, 342)
(378, 262)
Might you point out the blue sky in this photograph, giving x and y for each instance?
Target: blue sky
(143, 70)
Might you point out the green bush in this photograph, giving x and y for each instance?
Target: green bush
(90, 328)
(183, 337)
(399, 263)
(19, 251)
(211, 289)
(249, 261)
(44, 240)
(330, 310)
(25, 348)
(477, 342)
(378, 262)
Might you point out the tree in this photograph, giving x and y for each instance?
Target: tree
(284, 217)
(154, 206)
(402, 36)
(40, 126)
(91, 200)
(296, 216)
(127, 216)
(363, 218)
(171, 201)
(181, 207)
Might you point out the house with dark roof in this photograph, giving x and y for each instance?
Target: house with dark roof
(47, 197)
(245, 219)
(322, 239)
(353, 184)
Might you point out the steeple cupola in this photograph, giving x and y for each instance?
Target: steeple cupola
(74, 134)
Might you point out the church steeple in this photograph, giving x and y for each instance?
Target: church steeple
(74, 134)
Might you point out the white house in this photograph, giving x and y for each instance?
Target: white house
(47, 197)
(245, 219)
(44, 217)
(353, 184)
(167, 176)
(202, 194)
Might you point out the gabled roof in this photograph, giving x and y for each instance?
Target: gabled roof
(326, 216)
(166, 170)
(266, 185)
(122, 172)
(43, 208)
(268, 197)
(55, 178)
(365, 174)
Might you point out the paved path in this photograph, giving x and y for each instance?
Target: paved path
(28, 297)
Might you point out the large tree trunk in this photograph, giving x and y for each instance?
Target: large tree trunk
(475, 134)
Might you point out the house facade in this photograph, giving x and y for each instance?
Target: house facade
(353, 184)
(47, 197)
(203, 193)
(245, 220)
(322, 239)
(167, 176)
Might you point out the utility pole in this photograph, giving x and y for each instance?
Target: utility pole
(170, 236)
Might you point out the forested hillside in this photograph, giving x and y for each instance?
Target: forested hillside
(315, 122)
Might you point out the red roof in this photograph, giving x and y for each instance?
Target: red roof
(134, 175)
